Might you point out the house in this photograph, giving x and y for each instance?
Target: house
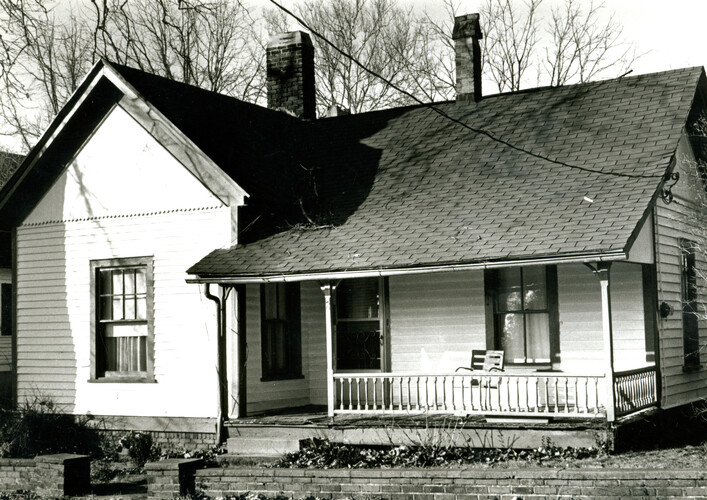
(184, 261)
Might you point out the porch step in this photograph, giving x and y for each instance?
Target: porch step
(261, 446)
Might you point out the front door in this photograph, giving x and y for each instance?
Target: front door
(361, 343)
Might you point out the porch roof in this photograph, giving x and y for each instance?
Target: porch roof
(409, 188)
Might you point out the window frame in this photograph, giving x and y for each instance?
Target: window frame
(493, 330)
(6, 309)
(293, 338)
(688, 300)
(96, 266)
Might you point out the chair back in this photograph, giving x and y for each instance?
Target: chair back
(493, 360)
(478, 358)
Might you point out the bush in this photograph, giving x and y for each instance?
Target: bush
(141, 448)
(322, 454)
(39, 427)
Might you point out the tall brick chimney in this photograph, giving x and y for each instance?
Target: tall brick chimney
(466, 36)
(290, 70)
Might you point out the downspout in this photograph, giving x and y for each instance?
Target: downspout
(221, 362)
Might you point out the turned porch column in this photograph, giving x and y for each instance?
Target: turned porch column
(602, 273)
(328, 289)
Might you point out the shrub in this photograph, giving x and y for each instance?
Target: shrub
(320, 453)
(40, 427)
(141, 448)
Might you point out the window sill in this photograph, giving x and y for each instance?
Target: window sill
(691, 368)
(279, 378)
(122, 380)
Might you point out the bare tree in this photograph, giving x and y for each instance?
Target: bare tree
(582, 46)
(510, 41)
(386, 38)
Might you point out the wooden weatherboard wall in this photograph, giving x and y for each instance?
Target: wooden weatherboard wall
(122, 196)
(673, 222)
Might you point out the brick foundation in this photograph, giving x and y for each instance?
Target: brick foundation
(439, 484)
(48, 475)
(190, 441)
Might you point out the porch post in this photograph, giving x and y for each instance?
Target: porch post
(603, 275)
(328, 290)
(241, 349)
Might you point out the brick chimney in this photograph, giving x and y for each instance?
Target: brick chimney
(290, 63)
(466, 36)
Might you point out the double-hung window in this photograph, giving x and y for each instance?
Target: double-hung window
(123, 343)
(280, 333)
(6, 309)
(524, 311)
(690, 319)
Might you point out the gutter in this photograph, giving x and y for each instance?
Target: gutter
(369, 273)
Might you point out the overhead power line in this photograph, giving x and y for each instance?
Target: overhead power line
(445, 115)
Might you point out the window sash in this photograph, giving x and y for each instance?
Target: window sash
(688, 292)
(122, 337)
(280, 331)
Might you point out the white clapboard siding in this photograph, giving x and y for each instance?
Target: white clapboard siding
(314, 341)
(54, 328)
(675, 221)
(436, 320)
(273, 394)
(122, 196)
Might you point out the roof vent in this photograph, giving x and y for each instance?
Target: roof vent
(466, 36)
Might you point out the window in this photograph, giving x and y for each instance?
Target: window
(280, 332)
(688, 288)
(5, 309)
(123, 345)
(523, 303)
(358, 327)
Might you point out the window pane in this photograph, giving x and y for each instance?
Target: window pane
(141, 280)
(270, 298)
(104, 282)
(141, 312)
(508, 293)
(106, 308)
(538, 337)
(512, 337)
(357, 298)
(535, 287)
(130, 307)
(117, 308)
(117, 282)
(130, 282)
(281, 301)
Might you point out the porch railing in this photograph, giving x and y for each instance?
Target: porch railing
(503, 394)
(635, 390)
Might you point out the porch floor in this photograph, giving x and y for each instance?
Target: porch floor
(316, 416)
(275, 433)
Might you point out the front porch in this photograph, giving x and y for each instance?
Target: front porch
(578, 346)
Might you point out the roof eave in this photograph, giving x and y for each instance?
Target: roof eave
(607, 256)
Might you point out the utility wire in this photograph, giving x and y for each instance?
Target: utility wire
(442, 113)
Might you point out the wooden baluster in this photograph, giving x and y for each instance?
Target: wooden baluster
(408, 393)
(365, 388)
(444, 392)
(567, 397)
(350, 400)
(391, 381)
(508, 392)
(343, 399)
(461, 393)
(358, 392)
(576, 395)
(400, 391)
(417, 391)
(436, 400)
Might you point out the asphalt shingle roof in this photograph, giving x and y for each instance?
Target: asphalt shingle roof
(408, 188)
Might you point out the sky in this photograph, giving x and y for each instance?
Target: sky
(668, 35)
